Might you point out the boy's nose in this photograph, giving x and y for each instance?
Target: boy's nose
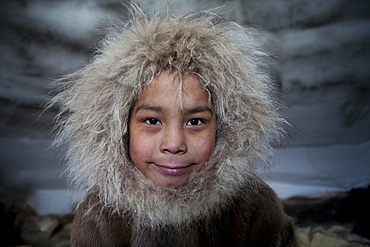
(174, 141)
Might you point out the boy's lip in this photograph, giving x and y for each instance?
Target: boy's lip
(169, 170)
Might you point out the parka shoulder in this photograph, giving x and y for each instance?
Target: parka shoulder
(98, 227)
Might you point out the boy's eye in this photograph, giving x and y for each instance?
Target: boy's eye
(195, 121)
(152, 121)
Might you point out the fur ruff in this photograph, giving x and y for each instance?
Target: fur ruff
(95, 103)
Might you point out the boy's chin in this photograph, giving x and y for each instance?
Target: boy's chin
(174, 182)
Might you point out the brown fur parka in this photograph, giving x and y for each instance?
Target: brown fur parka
(223, 204)
(255, 218)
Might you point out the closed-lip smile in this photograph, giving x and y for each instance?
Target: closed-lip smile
(172, 170)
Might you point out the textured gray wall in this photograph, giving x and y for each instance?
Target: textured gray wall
(324, 77)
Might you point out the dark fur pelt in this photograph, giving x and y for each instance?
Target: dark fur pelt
(254, 220)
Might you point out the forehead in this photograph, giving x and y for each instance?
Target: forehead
(167, 88)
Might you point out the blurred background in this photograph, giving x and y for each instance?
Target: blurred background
(323, 76)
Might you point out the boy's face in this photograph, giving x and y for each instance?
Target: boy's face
(172, 136)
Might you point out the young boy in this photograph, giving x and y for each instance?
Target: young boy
(165, 128)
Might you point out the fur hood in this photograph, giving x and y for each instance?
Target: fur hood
(95, 103)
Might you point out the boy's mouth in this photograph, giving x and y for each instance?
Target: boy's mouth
(172, 170)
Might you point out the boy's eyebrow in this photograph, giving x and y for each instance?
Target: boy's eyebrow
(198, 109)
(149, 108)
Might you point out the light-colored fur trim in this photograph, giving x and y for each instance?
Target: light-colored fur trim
(95, 103)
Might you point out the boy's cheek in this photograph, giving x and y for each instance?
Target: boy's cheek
(207, 142)
(137, 147)
(138, 155)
